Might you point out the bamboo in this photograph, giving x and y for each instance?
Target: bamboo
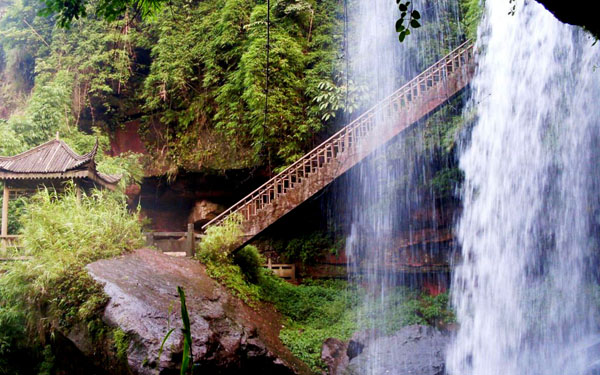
(4, 231)
(346, 140)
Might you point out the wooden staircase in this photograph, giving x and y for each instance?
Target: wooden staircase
(315, 170)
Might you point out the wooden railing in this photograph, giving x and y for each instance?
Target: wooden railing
(174, 243)
(285, 271)
(11, 248)
(352, 143)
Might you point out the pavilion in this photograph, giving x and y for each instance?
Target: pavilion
(49, 165)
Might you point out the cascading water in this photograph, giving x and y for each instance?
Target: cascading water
(382, 190)
(529, 227)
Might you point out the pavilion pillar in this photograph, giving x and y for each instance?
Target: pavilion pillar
(78, 192)
(4, 231)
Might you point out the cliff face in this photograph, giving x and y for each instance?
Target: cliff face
(227, 334)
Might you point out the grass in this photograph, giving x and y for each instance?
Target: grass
(318, 310)
(323, 309)
(315, 310)
(53, 291)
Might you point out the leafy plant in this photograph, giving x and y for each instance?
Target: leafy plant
(187, 360)
(409, 19)
(67, 11)
(309, 248)
(220, 240)
(121, 343)
(334, 99)
(250, 262)
(53, 290)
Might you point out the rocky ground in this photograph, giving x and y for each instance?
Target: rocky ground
(415, 350)
(228, 335)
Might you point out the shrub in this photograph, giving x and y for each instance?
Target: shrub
(308, 248)
(53, 290)
(315, 312)
(231, 277)
(435, 309)
(250, 262)
(219, 241)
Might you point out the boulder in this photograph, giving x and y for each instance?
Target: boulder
(227, 335)
(204, 211)
(415, 350)
(334, 354)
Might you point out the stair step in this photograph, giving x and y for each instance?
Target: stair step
(428, 90)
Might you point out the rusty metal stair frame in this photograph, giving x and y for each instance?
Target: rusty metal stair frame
(315, 170)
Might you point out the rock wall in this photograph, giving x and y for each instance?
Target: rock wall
(229, 337)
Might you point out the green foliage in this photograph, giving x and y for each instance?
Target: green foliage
(317, 310)
(219, 241)
(308, 248)
(57, 227)
(238, 272)
(68, 10)
(188, 356)
(53, 290)
(11, 143)
(334, 99)
(446, 181)
(250, 262)
(16, 208)
(208, 77)
(84, 70)
(441, 130)
(434, 309)
(231, 277)
(127, 165)
(472, 11)
(77, 86)
(47, 365)
(409, 19)
(121, 343)
(48, 109)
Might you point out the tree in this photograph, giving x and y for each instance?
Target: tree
(69, 10)
(583, 14)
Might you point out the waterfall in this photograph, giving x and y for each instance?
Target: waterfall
(382, 192)
(524, 290)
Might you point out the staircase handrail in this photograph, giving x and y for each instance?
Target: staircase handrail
(465, 47)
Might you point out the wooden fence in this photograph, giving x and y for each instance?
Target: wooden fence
(174, 243)
(285, 271)
(11, 248)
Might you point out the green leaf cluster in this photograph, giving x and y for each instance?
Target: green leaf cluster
(320, 309)
(308, 248)
(208, 76)
(409, 19)
(52, 290)
(472, 11)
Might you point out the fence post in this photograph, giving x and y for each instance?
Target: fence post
(150, 239)
(191, 243)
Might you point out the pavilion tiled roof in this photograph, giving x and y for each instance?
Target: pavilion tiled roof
(54, 159)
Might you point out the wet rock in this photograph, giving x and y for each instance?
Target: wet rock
(204, 211)
(227, 335)
(334, 354)
(354, 349)
(415, 350)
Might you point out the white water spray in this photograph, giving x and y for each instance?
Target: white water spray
(523, 290)
(383, 190)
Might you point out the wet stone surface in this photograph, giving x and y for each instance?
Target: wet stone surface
(415, 350)
(227, 334)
